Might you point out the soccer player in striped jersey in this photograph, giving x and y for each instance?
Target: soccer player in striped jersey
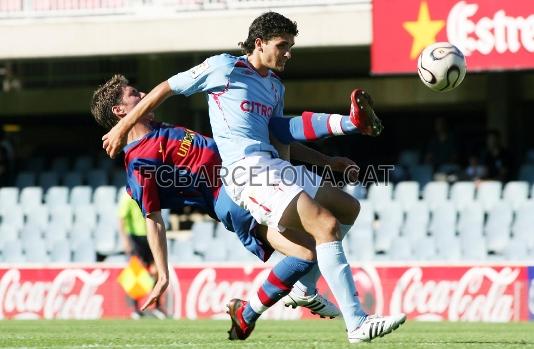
(244, 96)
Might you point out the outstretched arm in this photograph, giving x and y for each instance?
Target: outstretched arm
(115, 139)
(158, 246)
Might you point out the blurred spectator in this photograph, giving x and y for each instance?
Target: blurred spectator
(442, 148)
(133, 232)
(475, 170)
(7, 159)
(10, 81)
(496, 158)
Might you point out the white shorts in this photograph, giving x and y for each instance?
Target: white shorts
(265, 186)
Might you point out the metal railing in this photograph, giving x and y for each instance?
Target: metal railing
(10, 9)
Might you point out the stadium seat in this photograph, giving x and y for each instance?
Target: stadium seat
(25, 179)
(61, 216)
(54, 233)
(108, 214)
(526, 173)
(391, 213)
(30, 197)
(497, 229)
(462, 194)
(421, 174)
(7, 233)
(216, 251)
(488, 194)
(424, 249)
(435, 193)
(366, 217)
(380, 194)
(202, 233)
(97, 178)
(515, 193)
(48, 179)
(443, 220)
(516, 250)
(80, 195)
(35, 251)
(38, 216)
(417, 219)
(523, 226)
(357, 191)
(13, 217)
(72, 179)
(57, 196)
(361, 247)
(30, 232)
(120, 192)
(384, 236)
(105, 196)
(406, 193)
(106, 238)
(103, 162)
(60, 165)
(84, 251)
(79, 233)
(448, 248)
(83, 164)
(182, 251)
(60, 252)
(471, 220)
(12, 252)
(9, 197)
(85, 215)
(401, 251)
(473, 247)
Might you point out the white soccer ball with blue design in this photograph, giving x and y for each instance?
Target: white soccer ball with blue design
(441, 66)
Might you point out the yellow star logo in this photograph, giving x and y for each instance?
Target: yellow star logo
(424, 30)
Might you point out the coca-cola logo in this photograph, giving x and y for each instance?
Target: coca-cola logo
(500, 32)
(369, 289)
(70, 295)
(481, 294)
(208, 295)
(531, 298)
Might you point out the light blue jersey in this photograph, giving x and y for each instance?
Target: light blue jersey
(240, 100)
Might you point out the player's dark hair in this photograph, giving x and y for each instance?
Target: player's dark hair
(105, 97)
(267, 26)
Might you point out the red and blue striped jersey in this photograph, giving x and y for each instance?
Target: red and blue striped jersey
(173, 167)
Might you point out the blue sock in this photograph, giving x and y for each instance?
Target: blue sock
(278, 284)
(307, 284)
(335, 269)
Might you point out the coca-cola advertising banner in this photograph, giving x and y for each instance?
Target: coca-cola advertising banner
(492, 34)
(467, 293)
(531, 293)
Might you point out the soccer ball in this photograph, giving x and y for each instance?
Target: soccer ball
(441, 66)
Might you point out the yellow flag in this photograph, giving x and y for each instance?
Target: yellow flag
(135, 279)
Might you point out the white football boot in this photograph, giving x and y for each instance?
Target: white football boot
(376, 326)
(317, 304)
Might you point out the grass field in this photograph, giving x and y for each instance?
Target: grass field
(268, 334)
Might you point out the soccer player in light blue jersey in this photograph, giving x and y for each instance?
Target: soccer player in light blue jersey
(245, 95)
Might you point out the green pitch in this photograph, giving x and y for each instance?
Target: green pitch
(268, 334)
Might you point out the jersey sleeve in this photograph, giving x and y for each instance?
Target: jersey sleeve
(208, 75)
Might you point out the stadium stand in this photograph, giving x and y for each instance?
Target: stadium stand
(74, 220)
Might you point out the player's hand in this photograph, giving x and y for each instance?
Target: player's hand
(114, 140)
(157, 291)
(345, 165)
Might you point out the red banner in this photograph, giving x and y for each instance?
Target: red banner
(492, 34)
(478, 293)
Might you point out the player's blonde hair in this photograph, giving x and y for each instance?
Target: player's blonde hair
(105, 97)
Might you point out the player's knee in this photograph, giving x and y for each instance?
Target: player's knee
(328, 228)
(306, 254)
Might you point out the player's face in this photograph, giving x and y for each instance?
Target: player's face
(277, 51)
(131, 97)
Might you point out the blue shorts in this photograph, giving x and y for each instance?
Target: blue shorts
(241, 222)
